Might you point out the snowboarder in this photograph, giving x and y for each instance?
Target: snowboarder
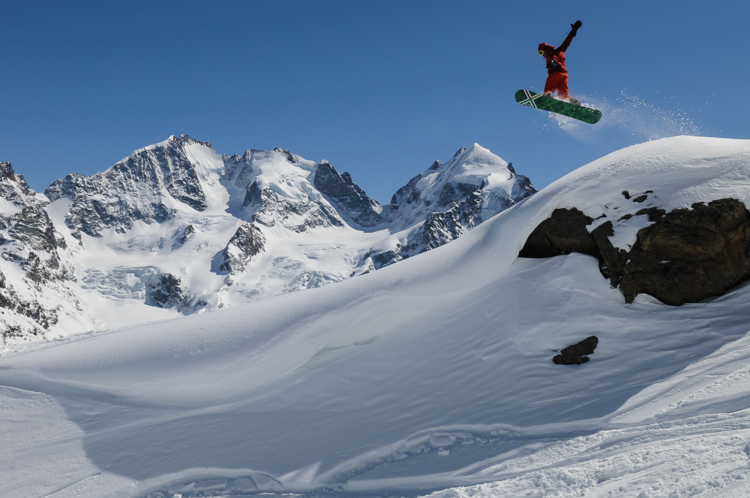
(557, 79)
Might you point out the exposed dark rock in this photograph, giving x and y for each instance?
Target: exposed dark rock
(42, 317)
(34, 227)
(612, 260)
(287, 154)
(409, 193)
(270, 207)
(689, 255)
(442, 227)
(347, 196)
(12, 186)
(246, 242)
(6, 171)
(685, 256)
(183, 236)
(562, 233)
(132, 189)
(576, 354)
(385, 258)
(164, 291)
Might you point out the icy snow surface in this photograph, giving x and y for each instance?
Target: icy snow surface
(433, 375)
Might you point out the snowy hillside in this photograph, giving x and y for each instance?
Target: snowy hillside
(177, 228)
(432, 375)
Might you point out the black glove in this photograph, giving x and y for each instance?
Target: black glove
(574, 27)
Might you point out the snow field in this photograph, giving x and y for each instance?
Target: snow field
(434, 373)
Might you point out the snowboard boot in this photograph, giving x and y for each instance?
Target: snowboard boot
(574, 101)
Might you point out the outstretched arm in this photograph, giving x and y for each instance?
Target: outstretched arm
(566, 43)
(571, 35)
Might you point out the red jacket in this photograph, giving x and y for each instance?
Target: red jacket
(556, 56)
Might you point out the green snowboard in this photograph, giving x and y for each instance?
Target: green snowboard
(531, 99)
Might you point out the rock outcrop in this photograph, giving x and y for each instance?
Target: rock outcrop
(164, 291)
(348, 197)
(684, 256)
(577, 353)
(246, 242)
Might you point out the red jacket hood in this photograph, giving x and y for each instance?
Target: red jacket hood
(545, 47)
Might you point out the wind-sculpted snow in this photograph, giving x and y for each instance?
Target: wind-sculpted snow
(205, 230)
(431, 375)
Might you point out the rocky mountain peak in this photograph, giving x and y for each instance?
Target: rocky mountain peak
(347, 196)
(183, 140)
(149, 185)
(13, 188)
(6, 171)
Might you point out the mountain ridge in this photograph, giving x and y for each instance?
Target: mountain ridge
(176, 226)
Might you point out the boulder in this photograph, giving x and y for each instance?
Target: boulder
(689, 255)
(576, 354)
(684, 256)
(563, 232)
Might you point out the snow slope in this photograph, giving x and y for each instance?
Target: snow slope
(430, 375)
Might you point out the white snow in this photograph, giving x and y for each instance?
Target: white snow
(432, 374)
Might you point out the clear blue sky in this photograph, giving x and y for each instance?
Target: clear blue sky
(380, 88)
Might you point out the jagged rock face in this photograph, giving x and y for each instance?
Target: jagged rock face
(165, 291)
(442, 227)
(41, 318)
(29, 238)
(278, 188)
(376, 260)
(33, 227)
(451, 199)
(15, 190)
(138, 188)
(297, 215)
(347, 196)
(684, 256)
(246, 242)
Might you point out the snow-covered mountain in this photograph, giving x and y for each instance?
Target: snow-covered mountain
(177, 228)
(434, 375)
